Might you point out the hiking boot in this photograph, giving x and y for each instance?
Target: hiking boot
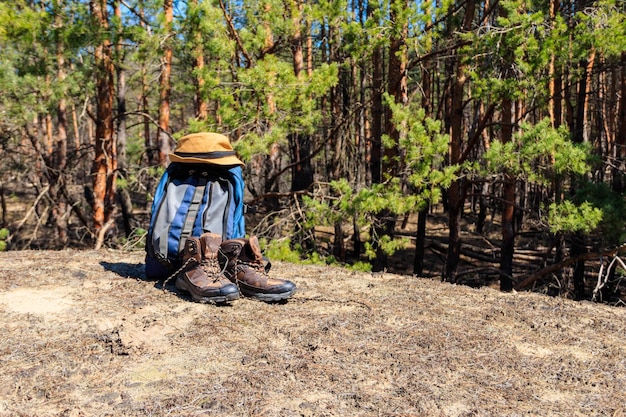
(202, 276)
(243, 264)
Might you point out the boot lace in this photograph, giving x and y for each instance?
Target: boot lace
(175, 273)
(210, 266)
(257, 267)
(213, 269)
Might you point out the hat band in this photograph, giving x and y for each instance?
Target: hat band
(206, 155)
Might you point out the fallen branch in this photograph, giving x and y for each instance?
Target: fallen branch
(485, 270)
(29, 212)
(602, 282)
(567, 262)
(75, 208)
(102, 232)
(40, 220)
(277, 195)
(490, 257)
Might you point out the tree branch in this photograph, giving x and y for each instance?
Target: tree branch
(567, 262)
(233, 32)
(29, 212)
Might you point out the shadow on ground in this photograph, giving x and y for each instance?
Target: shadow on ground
(126, 270)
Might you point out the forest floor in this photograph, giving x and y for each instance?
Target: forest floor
(85, 334)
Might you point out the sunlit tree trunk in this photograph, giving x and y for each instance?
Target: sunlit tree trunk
(48, 130)
(554, 77)
(150, 151)
(75, 127)
(296, 40)
(121, 94)
(361, 167)
(201, 105)
(123, 195)
(105, 159)
(582, 122)
(165, 88)
(59, 157)
(147, 136)
(300, 143)
(309, 47)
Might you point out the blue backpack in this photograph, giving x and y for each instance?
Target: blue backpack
(192, 199)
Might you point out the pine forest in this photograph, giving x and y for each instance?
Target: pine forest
(362, 125)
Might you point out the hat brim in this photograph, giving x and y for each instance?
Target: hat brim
(226, 160)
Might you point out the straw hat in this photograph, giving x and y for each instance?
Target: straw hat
(205, 148)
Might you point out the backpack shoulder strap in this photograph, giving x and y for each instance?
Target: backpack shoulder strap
(159, 194)
(238, 224)
(192, 212)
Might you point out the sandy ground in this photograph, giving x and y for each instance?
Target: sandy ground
(84, 334)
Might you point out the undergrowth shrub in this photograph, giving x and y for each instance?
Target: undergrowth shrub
(4, 235)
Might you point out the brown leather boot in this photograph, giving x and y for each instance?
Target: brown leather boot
(243, 265)
(202, 276)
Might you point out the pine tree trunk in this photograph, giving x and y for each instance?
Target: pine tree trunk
(201, 105)
(554, 106)
(620, 134)
(59, 159)
(309, 48)
(105, 158)
(336, 166)
(508, 210)
(456, 193)
(396, 88)
(123, 194)
(163, 139)
(145, 110)
(376, 129)
(300, 143)
(121, 97)
(582, 123)
(508, 187)
(48, 131)
(296, 40)
(75, 127)
(578, 248)
(420, 235)
(420, 239)
(579, 123)
(582, 135)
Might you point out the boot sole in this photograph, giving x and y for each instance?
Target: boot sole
(216, 299)
(269, 298)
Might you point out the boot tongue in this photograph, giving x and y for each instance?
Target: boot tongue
(253, 250)
(211, 245)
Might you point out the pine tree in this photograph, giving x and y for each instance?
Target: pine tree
(104, 168)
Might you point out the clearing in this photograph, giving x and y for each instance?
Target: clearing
(84, 334)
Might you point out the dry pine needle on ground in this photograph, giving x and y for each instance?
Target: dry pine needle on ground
(84, 334)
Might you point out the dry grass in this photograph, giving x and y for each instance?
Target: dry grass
(84, 334)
